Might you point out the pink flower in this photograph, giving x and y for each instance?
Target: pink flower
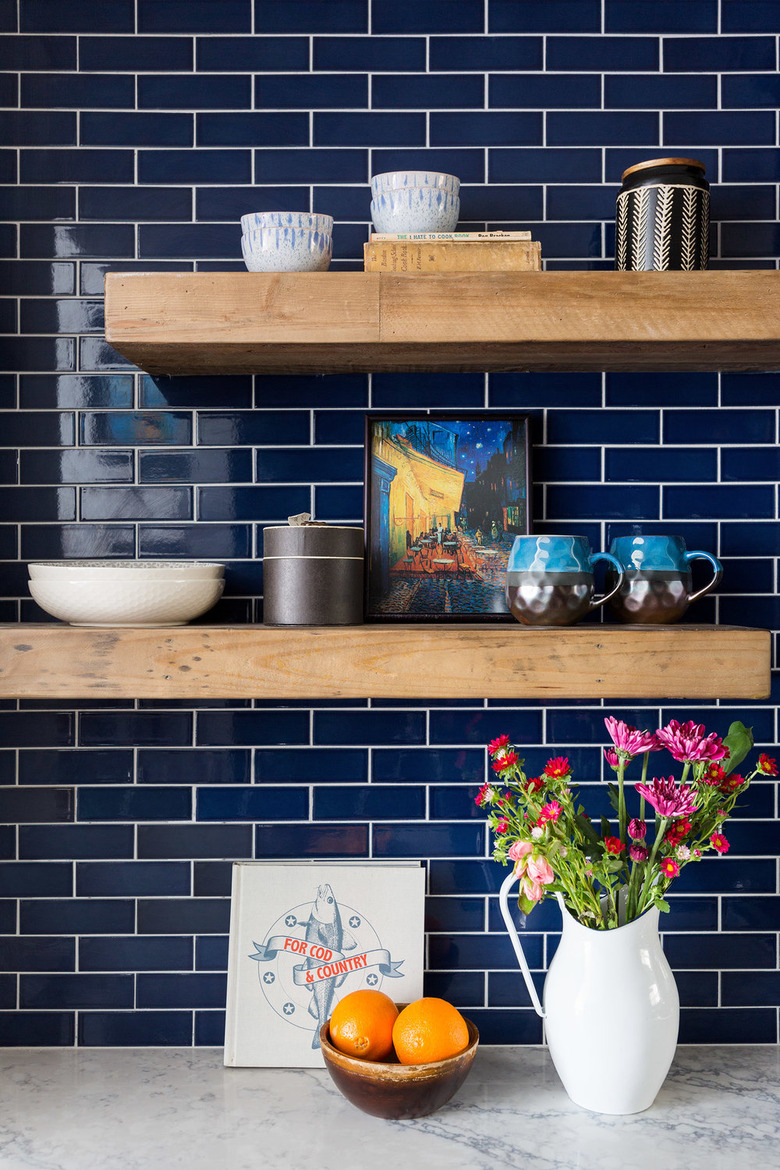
(612, 758)
(502, 825)
(628, 741)
(767, 765)
(682, 853)
(501, 741)
(719, 843)
(637, 829)
(485, 795)
(518, 849)
(688, 743)
(638, 853)
(540, 870)
(537, 832)
(614, 845)
(669, 867)
(557, 768)
(550, 812)
(668, 798)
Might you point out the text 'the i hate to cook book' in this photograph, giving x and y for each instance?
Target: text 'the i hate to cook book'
(305, 934)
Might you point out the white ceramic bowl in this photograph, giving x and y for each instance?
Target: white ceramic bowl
(415, 209)
(126, 570)
(393, 180)
(101, 602)
(255, 220)
(286, 249)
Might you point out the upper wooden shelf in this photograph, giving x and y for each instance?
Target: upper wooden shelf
(326, 322)
(388, 661)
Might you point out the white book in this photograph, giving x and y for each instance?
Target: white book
(461, 237)
(305, 934)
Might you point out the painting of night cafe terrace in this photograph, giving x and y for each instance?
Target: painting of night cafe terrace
(446, 496)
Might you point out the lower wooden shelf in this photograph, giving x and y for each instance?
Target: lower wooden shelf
(385, 661)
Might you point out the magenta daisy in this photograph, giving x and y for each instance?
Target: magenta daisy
(688, 743)
(628, 741)
(668, 798)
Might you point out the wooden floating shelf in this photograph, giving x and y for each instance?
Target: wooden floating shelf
(327, 322)
(385, 661)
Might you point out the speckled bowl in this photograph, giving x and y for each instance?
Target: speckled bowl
(132, 602)
(82, 570)
(256, 220)
(286, 249)
(393, 180)
(415, 209)
(397, 1091)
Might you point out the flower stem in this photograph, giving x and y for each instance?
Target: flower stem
(621, 801)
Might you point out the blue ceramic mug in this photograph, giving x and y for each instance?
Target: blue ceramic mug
(549, 580)
(657, 583)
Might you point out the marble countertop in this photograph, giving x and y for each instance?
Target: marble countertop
(156, 1109)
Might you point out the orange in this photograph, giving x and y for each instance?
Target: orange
(429, 1029)
(362, 1025)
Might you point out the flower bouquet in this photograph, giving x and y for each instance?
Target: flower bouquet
(611, 877)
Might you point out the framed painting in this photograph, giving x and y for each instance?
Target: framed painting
(445, 496)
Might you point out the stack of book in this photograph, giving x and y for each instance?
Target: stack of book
(421, 252)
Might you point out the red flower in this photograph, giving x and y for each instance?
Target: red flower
(614, 845)
(677, 831)
(732, 783)
(719, 843)
(557, 768)
(669, 867)
(502, 825)
(713, 774)
(535, 785)
(767, 765)
(505, 760)
(484, 795)
(500, 742)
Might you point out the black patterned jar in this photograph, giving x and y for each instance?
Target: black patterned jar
(662, 217)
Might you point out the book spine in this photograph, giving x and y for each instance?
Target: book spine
(381, 237)
(415, 256)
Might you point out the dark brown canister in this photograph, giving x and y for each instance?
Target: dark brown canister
(312, 576)
(662, 218)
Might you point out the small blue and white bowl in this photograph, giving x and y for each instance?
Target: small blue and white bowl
(286, 249)
(256, 220)
(415, 209)
(394, 180)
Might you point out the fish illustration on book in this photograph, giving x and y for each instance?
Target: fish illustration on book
(324, 928)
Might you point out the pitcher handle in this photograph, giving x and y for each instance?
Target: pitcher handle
(717, 566)
(515, 939)
(605, 556)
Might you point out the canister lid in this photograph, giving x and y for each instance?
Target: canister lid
(312, 541)
(665, 162)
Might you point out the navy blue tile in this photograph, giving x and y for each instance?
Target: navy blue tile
(183, 915)
(197, 16)
(553, 16)
(52, 542)
(35, 879)
(24, 203)
(75, 841)
(32, 503)
(468, 163)
(369, 802)
(156, 1029)
(735, 1026)
(491, 128)
(465, 989)
(100, 429)
(31, 277)
(368, 54)
(551, 464)
(252, 129)
(743, 202)
(653, 464)
(230, 203)
(727, 876)
(437, 390)
(194, 166)
(135, 203)
(311, 16)
(751, 90)
(74, 166)
(697, 988)
(37, 729)
(750, 239)
(76, 991)
(407, 16)
(665, 91)
(602, 426)
(212, 879)
(640, 389)
(479, 726)
(750, 464)
(78, 16)
(196, 467)
(131, 803)
(695, 951)
(429, 840)
(201, 541)
(258, 54)
(309, 464)
(310, 166)
(612, 54)
(41, 466)
(185, 990)
(743, 913)
(183, 240)
(545, 91)
(285, 841)
(344, 504)
(661, 16)
(759, 16)
(287, 91)
(480, 54)
(453, 914)
(44, 1029)
(195, 92)
(77, 240)
(251, 803)
(253, 428)
(719, 502)
(133, 878)
(135, 728)
(246, 503)
(135, 954)
(136, 129)
(238, 728)
(507, 1027)
(754, 539)
(37, 954)
(140, 54)
(32, 128)
(136, 503)
(531, 390)
(718, 54)
(403, 91)
(461, 950)
(189, 393)
(312, 765)
(595, 502)
(84, 91)
(188, 841)
(341, 426)
(24, 427)
(727, 127)
(609, 128)
(453, 804)
(358, 129)
(39, 52)
(77, 916)
(368, 727)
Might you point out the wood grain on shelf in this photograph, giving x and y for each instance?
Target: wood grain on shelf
(384, 661)
(321, 322)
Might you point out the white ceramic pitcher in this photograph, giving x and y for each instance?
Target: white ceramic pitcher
(611, 1010)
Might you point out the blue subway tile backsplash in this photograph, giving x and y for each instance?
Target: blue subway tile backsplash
(135, 134)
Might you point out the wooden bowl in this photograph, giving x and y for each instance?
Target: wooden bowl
(397, 1091)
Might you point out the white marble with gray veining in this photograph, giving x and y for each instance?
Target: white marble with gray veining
(157, 1109)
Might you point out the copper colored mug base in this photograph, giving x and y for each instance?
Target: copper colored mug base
(652, 599)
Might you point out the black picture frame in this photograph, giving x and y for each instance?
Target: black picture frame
(440, 522)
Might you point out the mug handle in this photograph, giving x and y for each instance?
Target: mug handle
(605, 556)
(717, 566)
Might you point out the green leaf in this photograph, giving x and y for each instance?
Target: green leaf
(662, 905)
(606, 828)
(739, 741)
(526, 904)
(614, 798)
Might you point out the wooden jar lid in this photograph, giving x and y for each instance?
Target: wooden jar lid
(664, 162)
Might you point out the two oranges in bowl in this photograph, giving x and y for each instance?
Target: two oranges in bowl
(397, 1061)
